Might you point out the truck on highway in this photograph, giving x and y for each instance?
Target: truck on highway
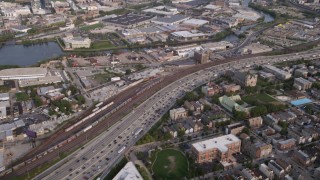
(122, 149)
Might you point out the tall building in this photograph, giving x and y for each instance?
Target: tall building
(220, 148)
(202, 56)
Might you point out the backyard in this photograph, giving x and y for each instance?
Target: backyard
(170, 164)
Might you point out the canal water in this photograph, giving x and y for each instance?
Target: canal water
(234, 38)
(13, 54)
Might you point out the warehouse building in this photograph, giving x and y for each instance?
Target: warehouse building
(279, 73)
(23, 73)
(71, 42)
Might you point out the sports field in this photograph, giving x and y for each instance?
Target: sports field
(170, 164)
(260, 98)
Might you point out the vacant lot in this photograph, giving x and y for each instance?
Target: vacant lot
(101, 44)
(90, 27)
(170, 164)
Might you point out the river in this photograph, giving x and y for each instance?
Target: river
(13, 54)
(234, 38)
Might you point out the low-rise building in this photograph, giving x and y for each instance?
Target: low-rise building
(297, 135)
(279, 73)
(276, 168)
(266, 171)
(245, 79)
(302, 84)
(303, 158)
(220, 148)
(187, 35)
(235, 128)
(71, 42)
(284, 164)
(129, 171)
(286, 144)
(230, 103)
(211, 89)
(255, 122)
(231, 88)
(194, 106)
(179, 113)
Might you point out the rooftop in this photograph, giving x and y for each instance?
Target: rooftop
(218, 142)
(171, 19)
(300, 102)
(128, 172)
(23, 71)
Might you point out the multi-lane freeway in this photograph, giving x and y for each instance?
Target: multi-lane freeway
(100, 155)
(120, 132)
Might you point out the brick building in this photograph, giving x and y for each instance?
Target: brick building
(220, 148)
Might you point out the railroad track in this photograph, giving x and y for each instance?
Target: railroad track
(61, 135)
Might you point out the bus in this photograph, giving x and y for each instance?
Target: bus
(121, 150)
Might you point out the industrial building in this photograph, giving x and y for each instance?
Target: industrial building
(220, 148)
(71, 42)
(170, 20)
(162, 10)
(187, 35)
(129, 20)
(23, 73)
(279, 73)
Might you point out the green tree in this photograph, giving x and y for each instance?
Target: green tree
(38, 101)
(246, 131)
(80, 99)
(259, 111)
(73, 90)
(128, 71)
(22, 96)
(239, 115)
(181, 133)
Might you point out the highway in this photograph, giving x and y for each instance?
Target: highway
(99, 155)
(131, 93)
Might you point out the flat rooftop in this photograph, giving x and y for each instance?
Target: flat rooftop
(128, 19)
(218, 143)
(128, 172)
(300, 102)
(23, 71)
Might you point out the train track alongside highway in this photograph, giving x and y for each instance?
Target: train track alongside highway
(132, 96)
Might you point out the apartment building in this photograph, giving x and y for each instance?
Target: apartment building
(220, 148)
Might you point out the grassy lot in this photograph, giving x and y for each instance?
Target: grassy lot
(261, 98)
(104, 77)
(90, 27)
(170, 164)
(101, 44)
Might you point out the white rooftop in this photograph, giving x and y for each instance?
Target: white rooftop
(187, 34)
(218, 142)
(198, 22)
(128, 172)
(23, 71)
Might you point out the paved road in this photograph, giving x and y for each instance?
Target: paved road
(220, 65)
(99, 156)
